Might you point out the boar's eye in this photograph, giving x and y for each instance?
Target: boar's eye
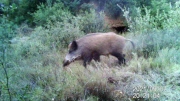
(70, 51)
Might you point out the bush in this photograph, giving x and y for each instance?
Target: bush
(148, 44)
(150, 18)
(21, 11)
(49, 15)
(113, 11)
(59, 26)
(61, 34)
(87, 22)
(172, 17)
(77, 6)
(144, 23)
(7, 30)
(92, 22)
(167, 59)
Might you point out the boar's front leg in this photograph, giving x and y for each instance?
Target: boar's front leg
(87, 59)
(96, 56)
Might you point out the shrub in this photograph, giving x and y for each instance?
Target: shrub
(7, 30)
(148, 44)
(172, 17)
(86, 22)
(113, 11)
(59, 26)
(149, 19)
(167, 59)
(74, 6)
(61, 34)
(144, 23)
(51, 14)
(20, 11)
(92, 22)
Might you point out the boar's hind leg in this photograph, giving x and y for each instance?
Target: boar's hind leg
(121, 57)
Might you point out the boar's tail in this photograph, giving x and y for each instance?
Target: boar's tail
(131, 42)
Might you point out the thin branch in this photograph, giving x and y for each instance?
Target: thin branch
(126, 15)
(6, 73)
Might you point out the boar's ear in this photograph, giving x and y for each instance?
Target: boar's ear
(74, 46)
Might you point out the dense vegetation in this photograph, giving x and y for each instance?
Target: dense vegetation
(34, 35)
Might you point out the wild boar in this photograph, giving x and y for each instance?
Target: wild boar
(91, 46)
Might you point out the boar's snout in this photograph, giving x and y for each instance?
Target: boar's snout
(68, 59)
(65, 63)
